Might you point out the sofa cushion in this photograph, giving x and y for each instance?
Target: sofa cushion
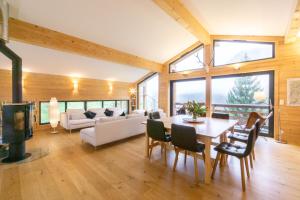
(134, 115)
(123, 114)
(99, 111)
(81, 121)
(90, 114)
(117, 111)
(109, 113)
(75, 114)
(109, 119)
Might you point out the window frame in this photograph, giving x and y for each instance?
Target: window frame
(187, 54)
(243, 41)
(85, 105)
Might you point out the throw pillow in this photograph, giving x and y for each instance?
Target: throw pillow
(109, 113)
(123, 114)
(90, 114)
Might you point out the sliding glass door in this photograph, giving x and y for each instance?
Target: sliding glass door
(183, 91)
(241, 94)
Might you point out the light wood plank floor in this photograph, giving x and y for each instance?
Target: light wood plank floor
(120, 171)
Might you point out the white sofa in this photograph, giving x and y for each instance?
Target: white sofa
(110, 131)
(75, 119)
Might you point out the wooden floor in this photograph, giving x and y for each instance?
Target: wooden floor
(73, 171)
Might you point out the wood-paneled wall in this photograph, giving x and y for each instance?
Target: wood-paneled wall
(286, 65)
(41, 87)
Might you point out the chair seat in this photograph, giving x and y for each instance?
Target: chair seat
(241, 137)
(167, 138)
(200, 147)
(230, 149)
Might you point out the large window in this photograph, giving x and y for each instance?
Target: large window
(148, 93)
(64, 105)
(190, 61)
(183, 91)
(239, 95)
(231, 52)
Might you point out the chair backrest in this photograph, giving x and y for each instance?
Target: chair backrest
(154, 115)
(253, 116)
(184, 137)
(253, 131)
(220, 115)
(156, 130)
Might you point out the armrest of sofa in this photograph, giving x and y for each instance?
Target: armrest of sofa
(64, 121)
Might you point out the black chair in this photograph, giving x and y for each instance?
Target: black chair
(240, 152)
(185, 138)
(154, 115)
(158, 136)
(243, 136)
(220, 115)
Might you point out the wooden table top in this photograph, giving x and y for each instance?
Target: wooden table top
(211, 127)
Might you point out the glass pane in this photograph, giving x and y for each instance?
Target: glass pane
(44, 118)
(191, 61)
(123, 105)
(184, 91)
(94, 104)
(241, 95)
(75, 105)
(148, 93)
(109, 104)
(230, 52)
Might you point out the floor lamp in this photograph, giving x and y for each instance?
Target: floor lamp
(53, 114)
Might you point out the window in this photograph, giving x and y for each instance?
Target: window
(109, 104)
(75, 105)
(183, 91)
(93, 104)
(231, 52)
(242, 94)
(148, 93)
(123, 105)
(191, 61)
(44, 111)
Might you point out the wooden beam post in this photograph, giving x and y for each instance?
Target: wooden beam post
(40, 36)
(180, 13)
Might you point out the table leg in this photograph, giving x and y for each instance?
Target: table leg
(146, 145)
(208, 167)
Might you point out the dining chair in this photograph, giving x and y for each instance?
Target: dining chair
(158, 136)
(184, 138)
(243, 136)
(154, 115)
(238, 151)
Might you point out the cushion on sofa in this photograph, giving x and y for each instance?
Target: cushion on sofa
(90, 114)
(81, 121)
(108, 112)
(109, 119)
(99, 111)
(75, 114)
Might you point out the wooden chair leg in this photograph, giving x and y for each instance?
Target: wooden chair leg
(151, 147)
(176, 159)
(251, 162)
(203, 156)
(161, 148)
(247, 167)
(165, 153)
(242, 174)
(185, 155)
(215, 165)
(195, 167)
(253, 154)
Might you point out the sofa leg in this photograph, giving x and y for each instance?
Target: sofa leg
(70, 131)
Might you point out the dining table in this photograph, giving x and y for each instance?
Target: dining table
(207, 129)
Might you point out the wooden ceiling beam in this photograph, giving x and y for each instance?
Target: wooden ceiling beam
(40, 36)
(294, 27)
(180, 13)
